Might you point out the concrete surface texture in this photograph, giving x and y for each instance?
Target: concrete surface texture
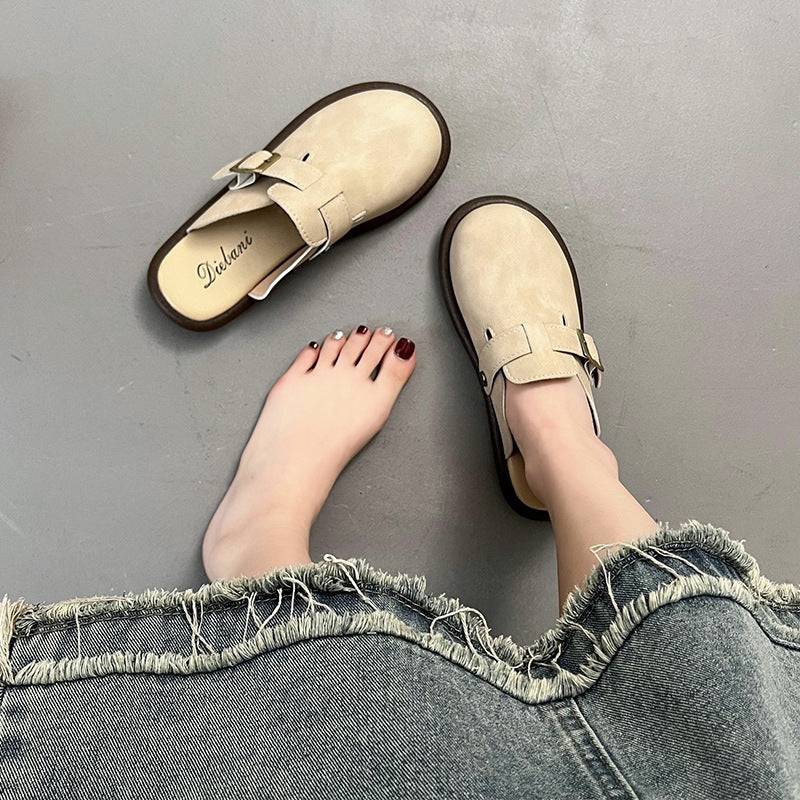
(662, 139)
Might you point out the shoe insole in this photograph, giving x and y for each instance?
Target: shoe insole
(211, 269)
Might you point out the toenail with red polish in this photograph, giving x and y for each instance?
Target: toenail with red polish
(362, 329)
(404, 348)
(313, 345)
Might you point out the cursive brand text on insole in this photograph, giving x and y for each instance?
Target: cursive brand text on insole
(209, 271)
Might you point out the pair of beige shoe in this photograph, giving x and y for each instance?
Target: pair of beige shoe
(354, 160)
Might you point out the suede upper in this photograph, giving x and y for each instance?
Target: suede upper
(361, 154)
(352, 160)
(516, 292)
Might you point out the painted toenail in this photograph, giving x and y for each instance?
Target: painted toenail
(313, 345)
(404, 348)
(362, 329)
(386, 331)
(338, 335)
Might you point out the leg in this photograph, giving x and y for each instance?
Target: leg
(318, 415)
(574, 473)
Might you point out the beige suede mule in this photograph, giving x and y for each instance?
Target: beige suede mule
(513, 295)
(355, 159)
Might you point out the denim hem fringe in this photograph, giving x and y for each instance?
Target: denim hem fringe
(693, 560)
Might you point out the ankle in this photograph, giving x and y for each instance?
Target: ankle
(256, 529)
(558, 456)
(260, 543)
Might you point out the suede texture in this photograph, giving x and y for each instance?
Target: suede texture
(359, 157)
(515, 289)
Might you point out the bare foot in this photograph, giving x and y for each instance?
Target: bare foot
(318, 415)
(552, 425)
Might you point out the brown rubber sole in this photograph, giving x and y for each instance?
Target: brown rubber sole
(463, 332)
(246, 301)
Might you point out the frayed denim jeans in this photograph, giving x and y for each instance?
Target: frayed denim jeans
(674, 673)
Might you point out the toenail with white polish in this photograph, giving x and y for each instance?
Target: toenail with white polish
(337, 335)
(386, 331)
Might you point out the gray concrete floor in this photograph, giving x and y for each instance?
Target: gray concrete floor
(662, 139)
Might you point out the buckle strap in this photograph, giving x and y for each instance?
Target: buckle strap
(293, 171)
(575, 341)
(543, 341)
(500, 350)
(312, 199)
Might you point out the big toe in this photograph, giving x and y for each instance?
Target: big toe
(397, 365)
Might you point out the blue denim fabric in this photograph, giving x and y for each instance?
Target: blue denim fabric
(673, 674)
